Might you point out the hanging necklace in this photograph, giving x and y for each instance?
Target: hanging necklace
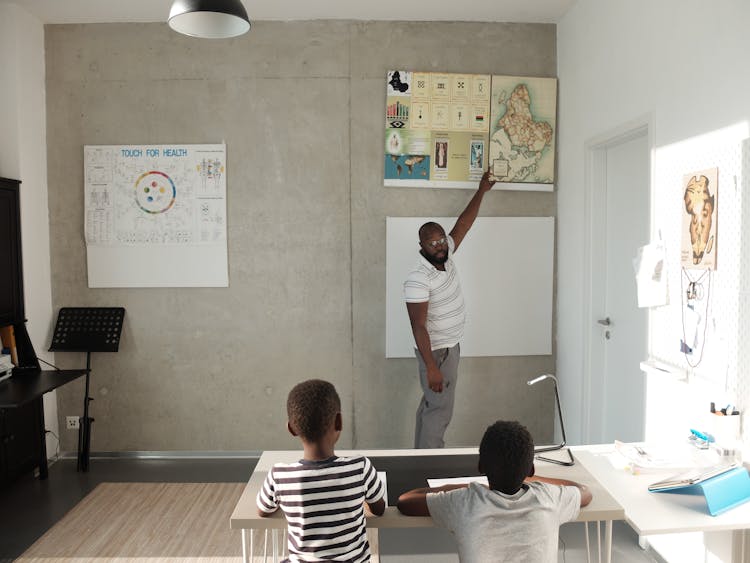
(694, 293)
(695, 287)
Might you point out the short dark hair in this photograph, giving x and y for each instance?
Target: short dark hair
(311, 407)
(506, 455)
(429, 228)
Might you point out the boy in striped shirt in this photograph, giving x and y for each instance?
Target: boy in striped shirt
(322, 495)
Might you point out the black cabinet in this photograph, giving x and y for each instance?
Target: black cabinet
(22, 430)
(20, 445)
(11, 269)
(19, 425)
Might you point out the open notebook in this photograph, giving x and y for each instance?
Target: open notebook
(691, 477)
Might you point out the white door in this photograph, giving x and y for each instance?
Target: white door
(620, 224)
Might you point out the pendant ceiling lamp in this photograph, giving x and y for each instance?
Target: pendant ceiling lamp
(210, 19)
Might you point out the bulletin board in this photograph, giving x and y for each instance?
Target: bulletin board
(721, 356)
(505, 265)
(155, 215)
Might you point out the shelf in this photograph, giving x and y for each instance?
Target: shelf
(655, 367)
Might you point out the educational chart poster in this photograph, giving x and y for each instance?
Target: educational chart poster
(156, 215)
(440, 130)
(699, 219)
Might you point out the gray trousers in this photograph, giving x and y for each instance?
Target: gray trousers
(436, 409)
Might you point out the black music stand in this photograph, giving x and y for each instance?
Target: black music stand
(87, 329)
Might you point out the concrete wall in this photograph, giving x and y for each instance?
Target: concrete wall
(680, 63)
(23, 155)
(300, 107)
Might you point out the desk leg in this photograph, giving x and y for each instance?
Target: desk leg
(588, 543)
(275, 546)
(604, 553)
(740, 545)
(244, 545)
(608, 541)
(373, 539)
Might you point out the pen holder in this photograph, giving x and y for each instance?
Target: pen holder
(727, 431)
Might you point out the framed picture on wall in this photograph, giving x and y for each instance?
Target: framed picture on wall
(443, 130)
(699, 219)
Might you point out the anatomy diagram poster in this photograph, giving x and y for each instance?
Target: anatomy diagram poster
(700, 201)
(156, 215)
(443, 130)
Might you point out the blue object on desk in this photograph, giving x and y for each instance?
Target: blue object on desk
(722, 492)
(701, 435)
(726, 491)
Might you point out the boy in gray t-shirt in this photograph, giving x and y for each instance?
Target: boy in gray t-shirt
(517, 518)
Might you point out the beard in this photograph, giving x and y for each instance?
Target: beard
(435, 260)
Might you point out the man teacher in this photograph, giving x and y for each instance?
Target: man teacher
(437, 314)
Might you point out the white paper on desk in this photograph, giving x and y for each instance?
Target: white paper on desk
(433, 483)
(649, 458)
(384, 480)
(650, 275)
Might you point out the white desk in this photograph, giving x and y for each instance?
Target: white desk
(603, 507)
(663, 513)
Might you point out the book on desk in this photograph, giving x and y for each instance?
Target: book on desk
(691, 477)
(723, 486)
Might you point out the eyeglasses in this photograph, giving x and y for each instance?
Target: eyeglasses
(435, 243)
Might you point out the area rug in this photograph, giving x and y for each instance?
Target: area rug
(155, 522)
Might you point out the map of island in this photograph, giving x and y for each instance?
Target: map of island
(522, 129)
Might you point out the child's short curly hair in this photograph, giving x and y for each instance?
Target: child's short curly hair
(506, 455)
(311, 407)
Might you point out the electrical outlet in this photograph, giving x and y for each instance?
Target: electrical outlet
(71, 422)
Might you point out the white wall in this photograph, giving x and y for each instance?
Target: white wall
(23, 155)
(683, 62)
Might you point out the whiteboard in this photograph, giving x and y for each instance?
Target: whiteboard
(505, 265)
(155, 215)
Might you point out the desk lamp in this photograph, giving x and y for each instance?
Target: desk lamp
(561, 445)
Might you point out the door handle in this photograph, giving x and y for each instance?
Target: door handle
(604, 322)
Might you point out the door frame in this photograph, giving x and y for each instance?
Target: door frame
(594, 279)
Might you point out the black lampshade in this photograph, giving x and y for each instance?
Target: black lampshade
(210, 19)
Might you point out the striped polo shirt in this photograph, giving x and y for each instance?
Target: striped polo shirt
(323, 505)
(446, 312)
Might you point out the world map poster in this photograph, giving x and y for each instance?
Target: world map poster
(443, 130)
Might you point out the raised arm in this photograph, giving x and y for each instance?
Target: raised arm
(586, 495)
(466, 219)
